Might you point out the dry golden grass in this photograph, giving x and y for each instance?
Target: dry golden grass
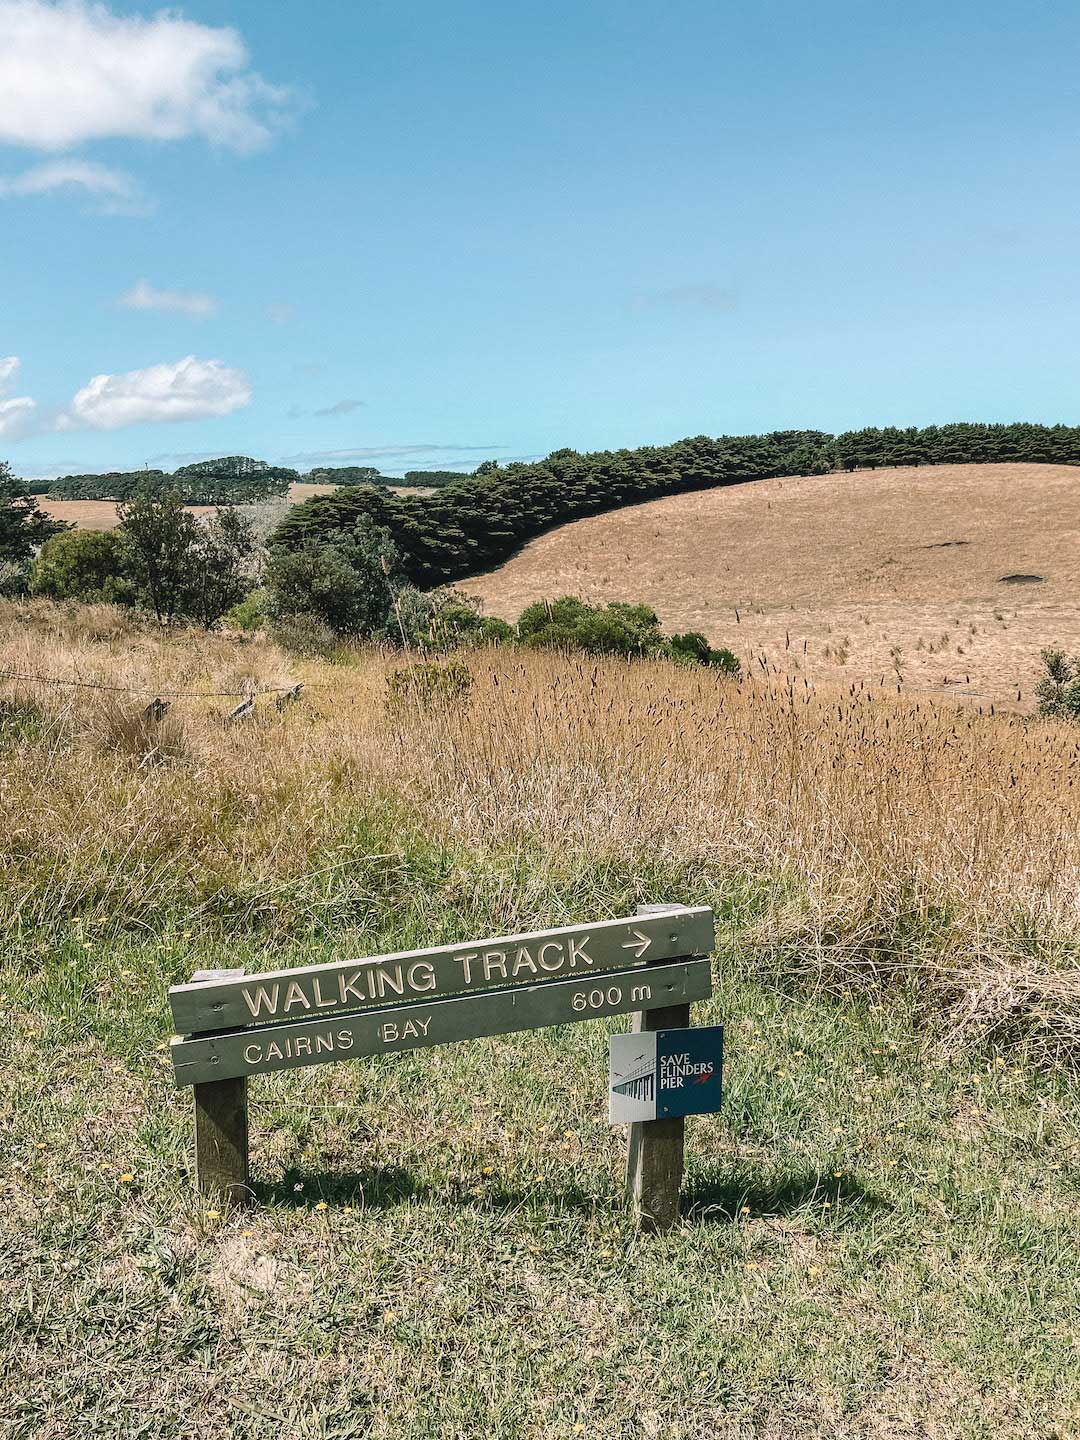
(877, 574)
(847, 834)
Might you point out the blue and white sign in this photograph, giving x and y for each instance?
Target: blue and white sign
(654, 1075)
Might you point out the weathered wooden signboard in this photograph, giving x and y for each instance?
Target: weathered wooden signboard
(234, 1025)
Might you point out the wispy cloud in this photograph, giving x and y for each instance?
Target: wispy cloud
(189, 389)
(343, 407)
(386, 452)
(16, 411)
(144, 296)
(114, 191)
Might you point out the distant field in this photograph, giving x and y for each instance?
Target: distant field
(101, 514)
(854, 577)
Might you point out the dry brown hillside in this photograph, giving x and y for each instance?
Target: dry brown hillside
(857, 577)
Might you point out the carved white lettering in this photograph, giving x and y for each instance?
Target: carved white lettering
(323, 1042)
(465, 961)
(344, 1039)
(390, 980)
(422, 975)
(523, 960)
(577, 951)
(347, 987)
(295, 996)
(252, 1059)
(555, 945)
(264, 999)
(319, 1001)
(494, 960)
(305, 1042)
(273, 1051)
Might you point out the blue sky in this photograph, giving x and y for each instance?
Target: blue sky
(416, 234)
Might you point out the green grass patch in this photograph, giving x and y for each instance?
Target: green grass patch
(874, 1241)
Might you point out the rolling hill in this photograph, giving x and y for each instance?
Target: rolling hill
(947, 578)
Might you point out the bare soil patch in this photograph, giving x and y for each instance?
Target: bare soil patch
(881, 577)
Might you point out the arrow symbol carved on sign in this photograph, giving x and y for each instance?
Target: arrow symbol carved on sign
(640, 945)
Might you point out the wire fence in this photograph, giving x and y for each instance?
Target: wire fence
(254, 689)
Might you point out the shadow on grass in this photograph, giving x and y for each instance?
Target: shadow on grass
(717, 1196)
(384, 1189)
(713, 1196)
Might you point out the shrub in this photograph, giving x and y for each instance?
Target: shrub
(693, 648)
(1058, 691)
(572, 624)
(249, 613)
(348, 582)
(305, 634)
(87, 565)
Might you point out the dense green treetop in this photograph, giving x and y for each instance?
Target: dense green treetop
(23, 526)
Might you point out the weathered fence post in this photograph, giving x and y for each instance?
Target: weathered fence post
(654, 1151)
(221, 1128)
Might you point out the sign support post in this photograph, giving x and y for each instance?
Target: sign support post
(221, 1128)
(654, 1150)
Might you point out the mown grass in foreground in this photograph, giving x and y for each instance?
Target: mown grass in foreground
(873, 1243)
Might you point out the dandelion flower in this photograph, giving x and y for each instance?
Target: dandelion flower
(321, 1205)
(213, 1214)
(127, 1178)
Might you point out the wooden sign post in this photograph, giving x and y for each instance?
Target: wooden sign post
(655, 1148)
(221, 1127)
(232, 1025)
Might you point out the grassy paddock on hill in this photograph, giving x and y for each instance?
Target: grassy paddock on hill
(879, 1231)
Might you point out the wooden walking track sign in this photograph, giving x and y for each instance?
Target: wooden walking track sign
(232, 1025)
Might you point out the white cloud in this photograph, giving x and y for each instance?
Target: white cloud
(190, 389)
(15, 416)
(16, 413)
(144, 296)
(116, 192)
(72, 71)
(9, 368)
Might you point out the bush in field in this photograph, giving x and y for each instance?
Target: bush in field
(249, 613)
(183, 568)
(693, 648)
(1058, 691)
(88, 565)
(348, 582)
(572, 624)
(443, 620)
(304, 634)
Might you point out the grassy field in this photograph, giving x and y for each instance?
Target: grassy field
(101, 514)
(896, 574)
(879, 1233)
